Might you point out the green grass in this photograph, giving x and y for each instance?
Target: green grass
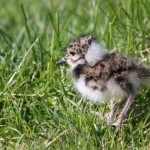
(39, 108)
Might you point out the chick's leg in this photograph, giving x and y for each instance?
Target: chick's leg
(109, 116)
(122, 115)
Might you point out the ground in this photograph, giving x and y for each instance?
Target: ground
(39, 108)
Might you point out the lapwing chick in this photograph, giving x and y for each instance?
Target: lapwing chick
(101, 76)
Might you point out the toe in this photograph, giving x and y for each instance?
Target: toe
(108, 117)
(118, 122)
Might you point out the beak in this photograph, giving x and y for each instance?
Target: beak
(62, 60)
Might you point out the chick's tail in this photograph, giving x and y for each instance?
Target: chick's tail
(144, 75)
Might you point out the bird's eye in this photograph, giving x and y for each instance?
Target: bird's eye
(89, 41)
(72, 53)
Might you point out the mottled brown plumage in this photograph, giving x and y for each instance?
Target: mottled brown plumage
(111, 66)
(102, 76)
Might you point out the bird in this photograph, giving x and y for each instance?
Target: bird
(101, 76)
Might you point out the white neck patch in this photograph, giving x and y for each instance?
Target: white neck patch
(79, 62)
(95, 53)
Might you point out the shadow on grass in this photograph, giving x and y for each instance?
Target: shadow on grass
(140, 111)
